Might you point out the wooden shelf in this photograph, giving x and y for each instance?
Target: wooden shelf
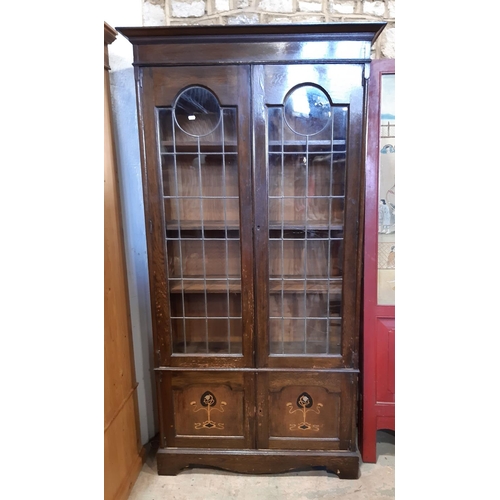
(301, 225)
(219, 225)
(222, 286)
(297, 286)
(208, 225)
(219, 286)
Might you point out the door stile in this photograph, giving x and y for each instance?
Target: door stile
(261, 252)
(351, 285)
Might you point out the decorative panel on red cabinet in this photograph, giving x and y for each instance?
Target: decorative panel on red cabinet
(378, 343)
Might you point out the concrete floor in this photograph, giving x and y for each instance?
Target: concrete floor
(375, 483)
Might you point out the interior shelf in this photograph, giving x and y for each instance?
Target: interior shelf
(220, 225)
(301, 225)
(233, 286)
(276, 285)
(211, 286)
(208, 225)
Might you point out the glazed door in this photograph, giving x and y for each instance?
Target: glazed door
(198, 210)
(379, 326)
(198, 206)
(308, 125)
(380, 240)
(309, 130)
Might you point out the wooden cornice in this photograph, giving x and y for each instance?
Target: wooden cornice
(110, 35)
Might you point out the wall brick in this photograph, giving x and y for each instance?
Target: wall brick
(336, 6)
(278, 20)
(153, 13)
(310, 6)
(243, 19)
(391, 9)
(388, 43)
(188, 8)
(276, 5)
(309, 19)
(376, 8)
(222, 5)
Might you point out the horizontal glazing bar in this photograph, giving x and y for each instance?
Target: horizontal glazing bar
(311, 355)
(301, 226)
(302, 197)
(317, 288)
(206, 355)
(311, 142)
(207, 153)
(302, 239)
(206, 239)
(201, 197)
(303, 317)
(209, 317)
(303, 279)
(187, 279)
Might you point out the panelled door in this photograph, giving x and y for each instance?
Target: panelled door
(199, 206)
(308, 124)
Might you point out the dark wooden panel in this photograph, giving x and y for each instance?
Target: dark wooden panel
(207, 409)
(227, 82)
(262, 52)
(306, 410)
(337, 80)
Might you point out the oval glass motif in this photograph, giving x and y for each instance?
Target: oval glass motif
(307, 110)
(197, 111)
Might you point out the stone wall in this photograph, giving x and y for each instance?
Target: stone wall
(205, 12)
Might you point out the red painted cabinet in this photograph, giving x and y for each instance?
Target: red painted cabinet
(378, 341)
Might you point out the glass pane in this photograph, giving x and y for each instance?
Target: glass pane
(307, 110)
(200, 188)
(197, 111)
(387, 193)
(306, 159)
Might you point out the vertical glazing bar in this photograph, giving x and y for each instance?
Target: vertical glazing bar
(329, 244)
(282, 159)
(202, 223)
(179, 239)
(305, 243)
(225, 229)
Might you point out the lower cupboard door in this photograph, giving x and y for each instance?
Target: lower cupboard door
(203, 409)
(306, 410)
